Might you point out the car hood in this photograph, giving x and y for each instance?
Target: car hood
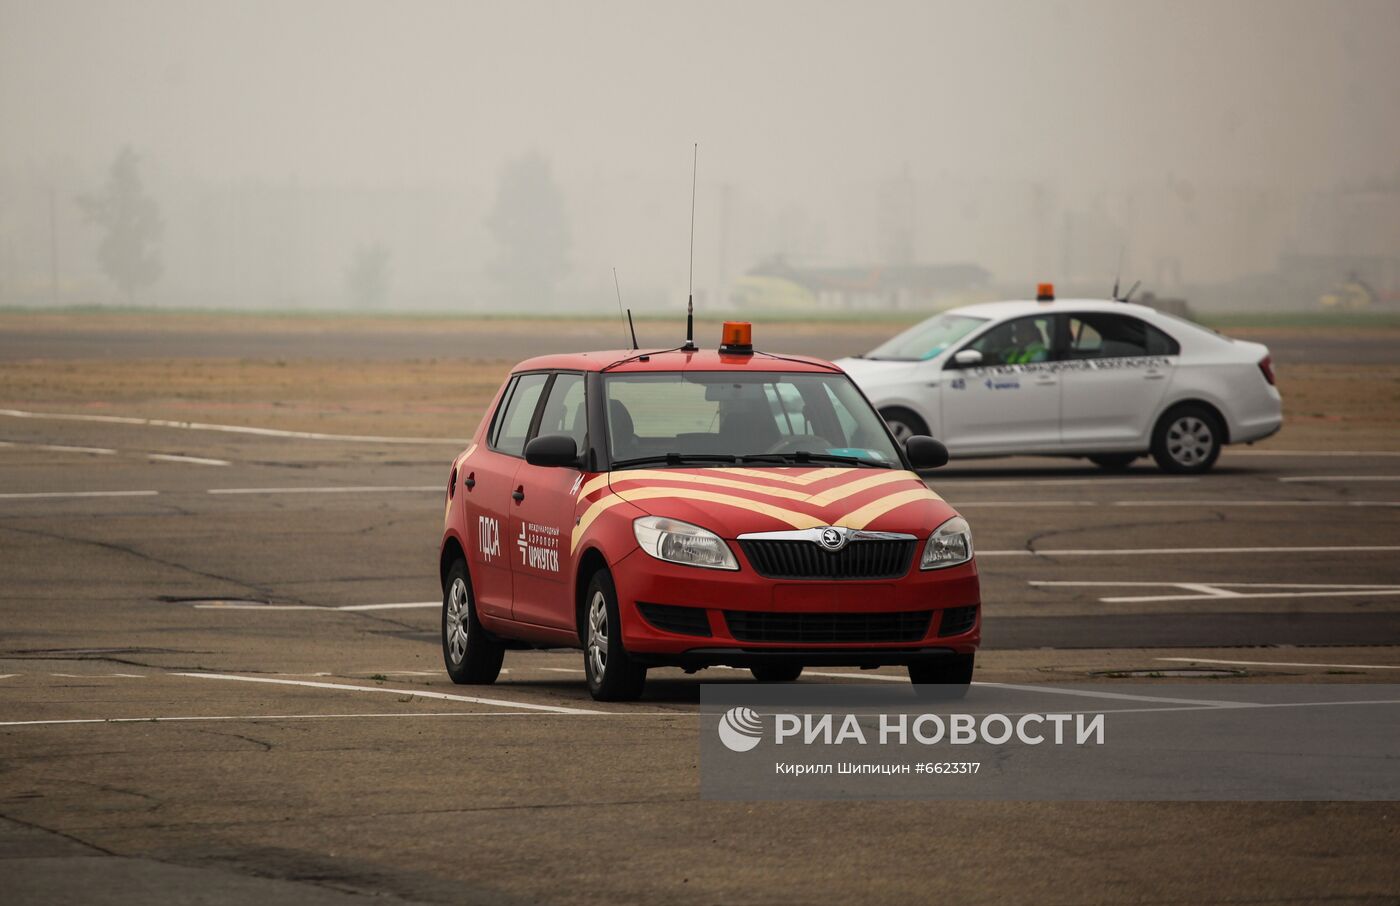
(877, 370)
(733, 501)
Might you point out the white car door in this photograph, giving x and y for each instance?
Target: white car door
(1010, 401)
(1115, 371)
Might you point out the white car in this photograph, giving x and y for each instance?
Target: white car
(1107, 380)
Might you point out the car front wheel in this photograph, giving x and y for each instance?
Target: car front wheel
(944, 678)
(1187, 440)
(776, 673)
(471, 655)
(612, 675)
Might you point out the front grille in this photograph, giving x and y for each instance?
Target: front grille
(680, 620)
(764, 626)
(882, 559)
(957, 620)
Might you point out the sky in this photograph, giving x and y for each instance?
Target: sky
(796, 104)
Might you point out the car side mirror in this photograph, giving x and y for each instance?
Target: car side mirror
(967, 358)
(925, 453)
(552, 450)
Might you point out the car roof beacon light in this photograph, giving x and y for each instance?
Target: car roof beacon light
(1045, 292)
(737, 338)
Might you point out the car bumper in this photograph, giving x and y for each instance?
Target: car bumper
(726, 597)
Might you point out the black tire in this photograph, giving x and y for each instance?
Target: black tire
(1114, 462)
(944, 678)
(1187, 440)
(472, 656)
(776, 673)
(903, 423)
(613, 677)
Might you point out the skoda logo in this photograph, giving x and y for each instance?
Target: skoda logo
(832, 539)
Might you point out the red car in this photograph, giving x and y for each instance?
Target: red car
(696, 508)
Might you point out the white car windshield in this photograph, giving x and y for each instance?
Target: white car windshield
(926, 339)
(742, 418)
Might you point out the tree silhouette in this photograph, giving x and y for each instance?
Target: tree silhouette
(531, 228)
(132, 224)
(367, 277)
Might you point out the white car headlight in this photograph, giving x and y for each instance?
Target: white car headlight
(680, 542)
(949, 545)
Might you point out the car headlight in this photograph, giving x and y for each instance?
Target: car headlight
(680, 542)
(949, 545)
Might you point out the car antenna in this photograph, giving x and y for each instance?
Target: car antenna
(1128, 296)
(630, 326)
(690, 302)
(1116, 275)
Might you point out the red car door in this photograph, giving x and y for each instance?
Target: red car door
(542, 515)
(487, 478)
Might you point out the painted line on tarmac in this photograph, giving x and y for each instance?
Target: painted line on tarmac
(1206, 660)
(40, 495)
(1179, 503)
(227, 429)
(341, 687)
(238, 605)
(1235, 452)
(1340, 478)
(341, 489)
(366, 715)
(1170, 551)
(194, 460)
(953, 480)
(1214, 591)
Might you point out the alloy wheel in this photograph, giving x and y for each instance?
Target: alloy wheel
(598, 635)
(458, 619)
(1189, 440)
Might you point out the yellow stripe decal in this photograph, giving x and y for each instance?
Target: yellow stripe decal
(860, 518)
(850, 488)
(595, 509)
(711, 480)
(775, 475)
(792, 518)
(593, 484)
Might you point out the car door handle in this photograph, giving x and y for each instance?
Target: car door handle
(1154, 375)
(470, 481)
(518, 494)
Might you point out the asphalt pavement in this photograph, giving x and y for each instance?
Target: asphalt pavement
(220, 681)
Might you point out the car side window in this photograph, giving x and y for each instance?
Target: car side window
(1020, 341)
(1095, 335)
(514, 428)
(499, 417)
(564, 410)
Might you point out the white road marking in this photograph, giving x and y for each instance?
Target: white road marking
(1169, 551)
(420, 693)
(345, 489)
(228, 429)
(1340, 478)
(954, 481)
(195, 460)
(8, 675)
(1049, 690)
(66, 448)
(1203, 591)
(372, 714)
(39, 495)
(231, 605)
(1019, 504)
(1236, 451)
(1207, 660)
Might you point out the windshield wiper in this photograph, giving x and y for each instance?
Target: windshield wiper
(804, 456)
(675, 459)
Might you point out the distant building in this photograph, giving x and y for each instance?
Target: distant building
(868, 287)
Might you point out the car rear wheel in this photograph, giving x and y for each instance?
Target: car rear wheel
(612, 675)
(1114, 462)
(471, 655)
(776, 673)
(1187, 440)
(903, 423)
(943, 678)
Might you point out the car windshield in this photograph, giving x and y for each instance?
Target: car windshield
(742, 418)
(926, 339)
